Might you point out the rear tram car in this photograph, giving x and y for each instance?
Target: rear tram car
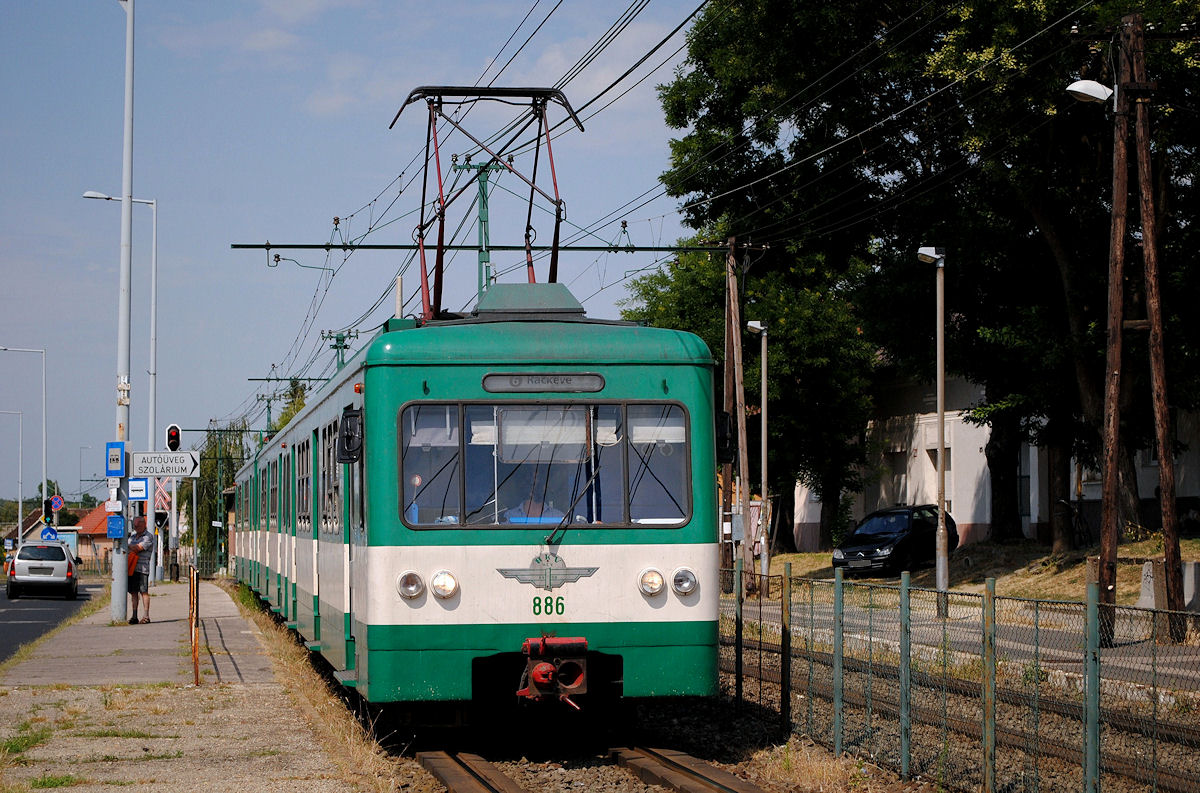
(514, 504)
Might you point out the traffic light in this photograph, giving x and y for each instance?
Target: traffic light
(173, 437)
(47, 512)
(161, 519)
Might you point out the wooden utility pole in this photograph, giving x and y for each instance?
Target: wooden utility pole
(727, 468)
(1109, 514)
(1134, 88)
(1141, 90)
(734, 333)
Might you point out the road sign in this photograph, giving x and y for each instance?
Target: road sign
(49, 533)
(56, 503)
(162, 499)
(137, 489)
(113, 505)
(115, 458)
(165, 464)
(116, 527)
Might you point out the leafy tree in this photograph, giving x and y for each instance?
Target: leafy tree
(818, 368)
(848, 135)
(295, 396)
(222, 453)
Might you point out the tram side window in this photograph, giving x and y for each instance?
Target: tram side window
(304, 483)
(657, 460)
(331, 482)
(273, 508)
(429, 452)
(262, 499)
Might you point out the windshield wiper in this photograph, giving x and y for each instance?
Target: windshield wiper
(562, 524)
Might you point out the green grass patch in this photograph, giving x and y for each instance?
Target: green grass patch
(113, 733)
(26, 739)
(54, 780)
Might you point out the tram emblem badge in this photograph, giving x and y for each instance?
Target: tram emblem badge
(547, 571)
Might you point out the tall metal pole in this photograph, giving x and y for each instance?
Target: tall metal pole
(153, 445)
(20, 464)
(45, 495)
(942, 541)
(764, 513)
(81, 448)
(764, 509)
(120, 583)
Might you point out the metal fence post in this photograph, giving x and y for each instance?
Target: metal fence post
(989, 685)
(905, 674)
(737, 629)
(785, 648)
(838, 624)
(1091, 693)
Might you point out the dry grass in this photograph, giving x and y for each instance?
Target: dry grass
(361, 761)
(1025, 570)
(801, 765)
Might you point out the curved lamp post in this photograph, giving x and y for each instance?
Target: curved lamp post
(20, 464)
(942, 547)
(45, 495)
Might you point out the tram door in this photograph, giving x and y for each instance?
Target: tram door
(333, 558)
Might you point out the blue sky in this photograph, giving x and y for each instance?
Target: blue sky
(263, 120)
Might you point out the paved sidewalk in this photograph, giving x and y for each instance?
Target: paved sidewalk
(98, 705)
(95, 652)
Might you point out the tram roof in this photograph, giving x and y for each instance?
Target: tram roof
(510, 325)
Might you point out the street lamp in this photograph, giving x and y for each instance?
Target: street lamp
(81, 448)
(45, 495)
(942, 547)
(755, 326)
(20, 464)
(153, 204)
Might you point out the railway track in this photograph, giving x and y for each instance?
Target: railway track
(884, 704)
(469, 773)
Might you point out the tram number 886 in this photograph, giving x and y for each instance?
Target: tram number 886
(549, 606)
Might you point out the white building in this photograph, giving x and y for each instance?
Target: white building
(902, 445)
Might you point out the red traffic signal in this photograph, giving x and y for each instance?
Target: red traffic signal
(173, 437)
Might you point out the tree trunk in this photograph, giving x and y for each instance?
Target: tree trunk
(831, 497)
(1058, 461)
(1129, 504)
(1003, 458)
(783, 539)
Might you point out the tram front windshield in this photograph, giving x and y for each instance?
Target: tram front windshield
(506, 465)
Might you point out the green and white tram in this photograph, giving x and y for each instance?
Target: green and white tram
(516, 504)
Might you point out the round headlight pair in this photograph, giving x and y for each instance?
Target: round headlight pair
(443, 584)
(652, 582)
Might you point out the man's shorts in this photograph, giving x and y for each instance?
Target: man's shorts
(139, 582)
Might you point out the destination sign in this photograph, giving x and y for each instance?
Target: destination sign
(539, 382)
(185, 464)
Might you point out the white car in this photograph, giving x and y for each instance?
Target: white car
(43, 565)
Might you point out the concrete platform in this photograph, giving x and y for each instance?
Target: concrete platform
(94, 651)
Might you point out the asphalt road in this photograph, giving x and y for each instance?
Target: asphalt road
(32, 615)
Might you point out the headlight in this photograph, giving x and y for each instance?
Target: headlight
(684, 581)
(885, 550)
(837, 554)
(651, 582)
(410, 585)
(443, 584)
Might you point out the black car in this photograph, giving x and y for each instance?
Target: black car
(893, 539)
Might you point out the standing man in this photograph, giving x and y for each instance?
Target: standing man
(140, 544)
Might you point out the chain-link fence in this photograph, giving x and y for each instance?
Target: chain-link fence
(972, 691)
